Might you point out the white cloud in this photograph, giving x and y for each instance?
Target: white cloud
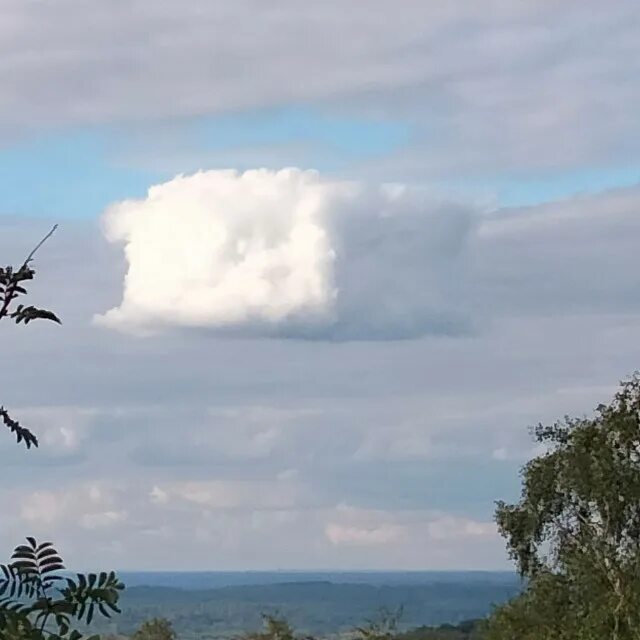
(380, 535)
(519, 454)
(242, 525)
(91, 506)
(396, 528)
(288, 253)
(355, 526)
(61, 430)
(102, 519)
(222, 495)
(448, 527)
(42, 506)
(158, 496)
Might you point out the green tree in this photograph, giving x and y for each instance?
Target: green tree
(38, 599)
(275, 628)
(383, 627)
(156, 629)
(575, 533)
(466, 630)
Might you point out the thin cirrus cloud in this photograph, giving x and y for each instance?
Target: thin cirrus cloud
(290, 254)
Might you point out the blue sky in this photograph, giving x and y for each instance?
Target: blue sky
(103, 164)
(269, 356)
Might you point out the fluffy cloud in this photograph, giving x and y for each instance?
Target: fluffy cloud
(291, 254)
(288, 253)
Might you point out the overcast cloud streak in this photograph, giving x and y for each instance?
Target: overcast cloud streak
(492, 86)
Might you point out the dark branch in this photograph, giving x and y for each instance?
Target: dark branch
(21, 433)
(29, 258)
(11, 287)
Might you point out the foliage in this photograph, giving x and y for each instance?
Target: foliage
(275, 628)
(319, 608)
(466, 630)
(575, 533)
(35, 596)
(384, 627)
(37, 601)
(12, 286)
(155, 629)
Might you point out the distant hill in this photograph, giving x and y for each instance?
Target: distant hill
(315, 607)
(216, 579)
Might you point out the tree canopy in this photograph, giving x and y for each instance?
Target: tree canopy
(575, 532)
(155, 629)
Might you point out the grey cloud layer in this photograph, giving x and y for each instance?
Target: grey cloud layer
(361, 443)
(538, 84)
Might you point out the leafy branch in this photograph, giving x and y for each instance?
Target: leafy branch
(12, 286)
(36, 599)
(21, 433)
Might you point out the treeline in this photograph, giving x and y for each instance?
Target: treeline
(276, 628)
(467, 630)
(312, 608)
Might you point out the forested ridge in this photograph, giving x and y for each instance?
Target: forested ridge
(316, 609)
(279, 628)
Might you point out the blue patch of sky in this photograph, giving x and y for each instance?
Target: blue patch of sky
(524, 191)
(566, 184)
(77, 173)
(354, 138)
(65, 175)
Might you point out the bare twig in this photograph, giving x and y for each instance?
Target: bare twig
(29, 258)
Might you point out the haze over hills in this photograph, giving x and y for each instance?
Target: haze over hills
(216, 579)
(211, 604)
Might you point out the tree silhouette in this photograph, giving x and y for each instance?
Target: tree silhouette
(12, 286)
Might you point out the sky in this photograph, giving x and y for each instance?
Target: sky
(320, 266)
